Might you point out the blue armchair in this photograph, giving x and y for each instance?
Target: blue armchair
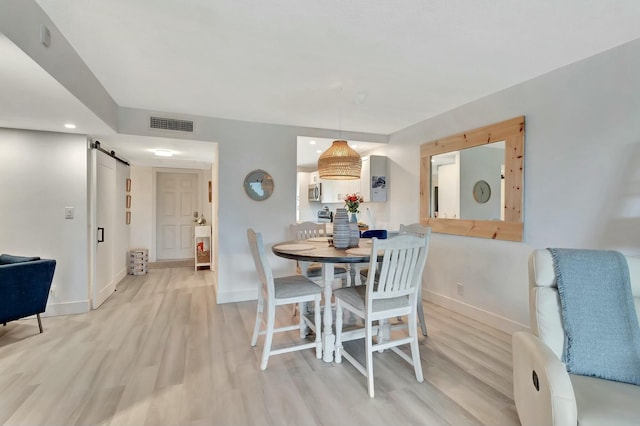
(24, 286)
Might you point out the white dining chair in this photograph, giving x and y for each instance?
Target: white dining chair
(394, 293)
(414, 229)
(295, 289)
(313, 271)
(420, 230)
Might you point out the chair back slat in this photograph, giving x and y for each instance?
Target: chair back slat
(401, 268)
(306, 230)
(261, 262)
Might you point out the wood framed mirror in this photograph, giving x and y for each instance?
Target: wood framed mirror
(474, 189)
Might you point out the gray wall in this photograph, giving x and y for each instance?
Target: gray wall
(480, 163)
(243, 147)
(582, 180)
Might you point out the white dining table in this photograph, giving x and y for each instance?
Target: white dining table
(318, 250)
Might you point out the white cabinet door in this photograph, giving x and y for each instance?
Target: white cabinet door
(329, 191)
(334, 191)
(374, 178)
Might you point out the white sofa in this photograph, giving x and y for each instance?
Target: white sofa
(544, 392)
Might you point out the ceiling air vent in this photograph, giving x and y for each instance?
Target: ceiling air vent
(171, 124)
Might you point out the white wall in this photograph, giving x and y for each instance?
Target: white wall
(121, 229)
(142, 202)
(307, 211)
(582, 180)
(42, 173)
(449, 190)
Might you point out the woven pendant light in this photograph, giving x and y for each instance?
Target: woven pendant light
(339, 162)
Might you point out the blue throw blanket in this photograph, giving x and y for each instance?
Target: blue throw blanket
(600, 322)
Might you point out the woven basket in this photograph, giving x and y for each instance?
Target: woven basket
(339, 162)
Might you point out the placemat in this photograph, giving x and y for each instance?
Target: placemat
(295, 247)
(359, 251)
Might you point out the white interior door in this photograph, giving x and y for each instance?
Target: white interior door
(177, 198)
(104, 283)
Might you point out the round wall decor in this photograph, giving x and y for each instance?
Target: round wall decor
(481, 191)
(258, 185)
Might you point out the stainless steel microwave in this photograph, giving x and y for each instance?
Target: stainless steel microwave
(315, 192)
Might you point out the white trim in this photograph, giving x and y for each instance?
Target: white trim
(92, 216)
(120, 275)
(236, 296)
(104, 294)
(67, 308)
(496, 321)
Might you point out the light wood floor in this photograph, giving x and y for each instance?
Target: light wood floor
(160, 351)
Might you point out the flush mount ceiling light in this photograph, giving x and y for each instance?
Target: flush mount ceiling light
(70, 126)
(339, 162)
(163, 153)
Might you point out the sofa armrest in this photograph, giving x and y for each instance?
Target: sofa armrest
(542, 388)
(24, 288)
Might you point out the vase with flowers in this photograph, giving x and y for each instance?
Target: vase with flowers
(352, 203)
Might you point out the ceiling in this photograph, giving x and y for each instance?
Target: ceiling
(31, 99)
(361, 65)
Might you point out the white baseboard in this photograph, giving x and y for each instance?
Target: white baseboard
(104, 294)
(236, 296)
(496, 321)
(120, 275)
(67, 308)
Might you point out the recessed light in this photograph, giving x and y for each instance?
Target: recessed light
(354, 146)
(312, 142)
(163, 153)
(70, 126)
(319, 151)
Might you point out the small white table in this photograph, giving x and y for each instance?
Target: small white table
(202, 246)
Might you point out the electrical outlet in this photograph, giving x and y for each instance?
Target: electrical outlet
(460, 289)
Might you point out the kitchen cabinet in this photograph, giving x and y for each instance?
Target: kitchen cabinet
(334, 191)
(374, 179)
(372, 184)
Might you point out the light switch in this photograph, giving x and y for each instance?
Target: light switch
(68, 212)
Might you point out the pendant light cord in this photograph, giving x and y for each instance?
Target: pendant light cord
(340, 113)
